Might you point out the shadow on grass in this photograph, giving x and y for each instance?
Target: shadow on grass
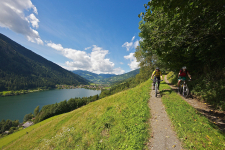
(216, 118)
(163, 83)
(165, 91)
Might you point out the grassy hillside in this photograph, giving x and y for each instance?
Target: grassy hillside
(21, 68)
(114, 122)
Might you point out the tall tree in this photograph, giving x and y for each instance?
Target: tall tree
(190, 33)
(36, 111)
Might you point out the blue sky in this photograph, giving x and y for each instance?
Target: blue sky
(94, 35)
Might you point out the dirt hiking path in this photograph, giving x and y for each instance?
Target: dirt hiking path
(162, 137)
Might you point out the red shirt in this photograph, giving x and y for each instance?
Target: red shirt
(183, 73)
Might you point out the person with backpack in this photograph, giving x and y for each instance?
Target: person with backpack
(182, 75)
(156, 73)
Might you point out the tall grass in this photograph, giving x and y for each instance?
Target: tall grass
(115, 122)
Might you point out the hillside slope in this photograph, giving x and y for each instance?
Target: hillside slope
(114, 122)
(21, 68)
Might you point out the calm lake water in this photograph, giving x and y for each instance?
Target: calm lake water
(16, 107)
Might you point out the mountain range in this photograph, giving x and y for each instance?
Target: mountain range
(105, 78)
(20, 68)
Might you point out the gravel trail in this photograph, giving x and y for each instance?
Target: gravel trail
(162, 137)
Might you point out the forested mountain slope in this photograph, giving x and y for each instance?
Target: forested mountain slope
(21, 68)
(92, 76)
(105, 78)
(121, 77)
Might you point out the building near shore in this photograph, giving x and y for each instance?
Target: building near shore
(27, 124)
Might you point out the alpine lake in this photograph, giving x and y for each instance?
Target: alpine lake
(16, 107)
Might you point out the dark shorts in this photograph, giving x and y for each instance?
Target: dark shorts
(155, 80)
(182, 78)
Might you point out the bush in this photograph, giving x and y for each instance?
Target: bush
(172, 77)
(11, 130)
(28, 117)
(209, 88)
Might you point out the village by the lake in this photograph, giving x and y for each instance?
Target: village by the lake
(93, 87)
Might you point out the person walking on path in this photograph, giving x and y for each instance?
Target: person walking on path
(156, 73)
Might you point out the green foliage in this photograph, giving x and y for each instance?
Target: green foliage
(36, 111)
(172, 77)
(178, 33)
(12, 129)
(23, 69)
(15, 123)
(184, 33)
(210, 88)
(8, 124)
(28, 117)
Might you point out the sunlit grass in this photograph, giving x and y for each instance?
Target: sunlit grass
(193, 129)
(115, 122)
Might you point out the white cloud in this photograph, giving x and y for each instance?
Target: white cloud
(133, 61)
(121, 63)
(87, 48)
(39, 41)
(131, 44)
(118, 71)
(34, 21)
(12, 16)
(127, 45)
(54, 46)
(136, 44)
(95, 61)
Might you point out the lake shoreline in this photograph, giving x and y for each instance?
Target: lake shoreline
(15, 107)
(21, 92)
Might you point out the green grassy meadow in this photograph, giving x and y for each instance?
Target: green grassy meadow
(115, 122)
(194, 130)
